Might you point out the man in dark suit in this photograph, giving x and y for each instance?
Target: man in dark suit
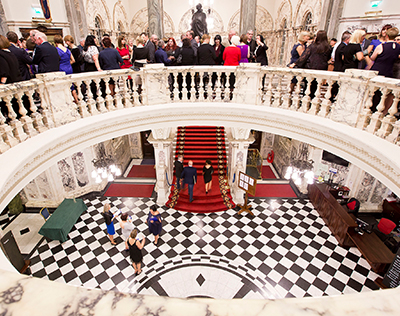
(338, 52)
(23, 57)
(150, 44)
(252, 44)
(45, 55)
(178, 171)
(189, 176)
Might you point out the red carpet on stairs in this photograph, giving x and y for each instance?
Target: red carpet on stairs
(142, 171)
(129, 190)
(198, 143)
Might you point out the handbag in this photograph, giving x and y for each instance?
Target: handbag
(179, 58)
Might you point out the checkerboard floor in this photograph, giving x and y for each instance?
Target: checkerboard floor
(286, 250)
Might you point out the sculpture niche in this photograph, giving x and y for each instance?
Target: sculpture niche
(199, 23)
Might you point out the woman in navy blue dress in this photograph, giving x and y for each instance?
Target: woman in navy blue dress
(108, 217)
(154, 222)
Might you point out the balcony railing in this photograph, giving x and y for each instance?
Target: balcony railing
(34, 106)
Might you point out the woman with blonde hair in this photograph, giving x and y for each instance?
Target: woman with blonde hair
(108, 217)
(135, 250)
(353, 53)
(299, 47)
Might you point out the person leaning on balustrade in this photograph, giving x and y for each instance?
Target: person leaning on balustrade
(353, 53)
(9, 67)
(385, 55)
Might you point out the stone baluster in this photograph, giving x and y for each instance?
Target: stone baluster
(228, 91)
(144, 100)
(119, 80)
(365, 114)
(26, 121)
(90, 101)
(268, 92)
(36, 116)
(296, 95)
(260, 90)
(44, 103)
(135, 90)
(278, 94)
(305, 100)
(175, 87)
(315, 103)
(389, 120)
(218, 87)
(207, 89)
(82, 106)
(375, 121)
(7, 139)
(126, 95)
(203, 78)
(193, 86)
(109, 101)
(16, 125)
(184, 87)
(99, 100)
(326, 102)
(286, 97)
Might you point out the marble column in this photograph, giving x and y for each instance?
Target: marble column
(330, 17)
(239, 140)
(248, 9)
(156, 17)
(162, 140)
(3, 24)
(77, 18)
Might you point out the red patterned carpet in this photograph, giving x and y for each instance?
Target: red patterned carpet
(267, 173)
(198, 143)
(142, 171)
(274, 190)
(129, 190)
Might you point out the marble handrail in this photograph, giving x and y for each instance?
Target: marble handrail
(352, 98)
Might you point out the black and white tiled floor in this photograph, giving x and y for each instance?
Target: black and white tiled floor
(286, 250)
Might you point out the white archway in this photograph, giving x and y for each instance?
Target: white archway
(28, 159)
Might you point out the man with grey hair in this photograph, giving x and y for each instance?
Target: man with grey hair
(151, 44)
(45, 55)
(32, 35)
(161, 55)
(337, 53)
(252, 44)
(189, 176)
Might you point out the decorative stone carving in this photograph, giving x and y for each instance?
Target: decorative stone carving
(135, 145)
(234, 22)
(140, 23)
(76, 17)
(98, 8)
(217, 27)
(120, 16)
(80, 169)
(264, 21)
(302, 9)
(284, 12)
(67, 175)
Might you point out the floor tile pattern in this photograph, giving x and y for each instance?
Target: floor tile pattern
(286, 250)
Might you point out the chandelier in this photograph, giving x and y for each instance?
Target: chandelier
(301, 168)
(105, 167)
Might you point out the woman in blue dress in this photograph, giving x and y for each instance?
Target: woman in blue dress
(66, 61)
(154, 222)
(108, 217)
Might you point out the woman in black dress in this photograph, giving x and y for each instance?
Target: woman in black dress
(135, 253)
(207, 175)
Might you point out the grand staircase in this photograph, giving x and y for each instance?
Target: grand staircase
(198, 143)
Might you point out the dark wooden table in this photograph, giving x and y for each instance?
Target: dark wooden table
(373, 250)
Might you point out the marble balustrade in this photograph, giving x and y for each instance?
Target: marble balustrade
(31, 107)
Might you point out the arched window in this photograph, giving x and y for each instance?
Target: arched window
(282, 48)
(97, 27)
(307, 22)
(119, 29)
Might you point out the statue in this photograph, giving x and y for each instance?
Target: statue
(199, 23)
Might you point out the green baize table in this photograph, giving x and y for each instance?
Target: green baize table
(63, 219)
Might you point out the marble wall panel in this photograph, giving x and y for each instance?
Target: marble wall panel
(42, 183)
(67, 175)
(31, 190)
(380, 193)
(135, 145)
(81, 173)
(365, 188)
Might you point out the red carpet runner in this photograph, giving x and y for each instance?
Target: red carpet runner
(198, 143)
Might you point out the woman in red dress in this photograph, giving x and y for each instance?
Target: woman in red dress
(123, 50)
